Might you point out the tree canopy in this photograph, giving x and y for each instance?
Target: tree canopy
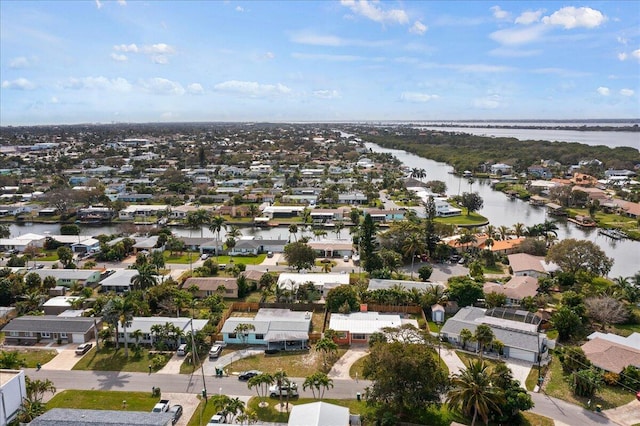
(579, 255)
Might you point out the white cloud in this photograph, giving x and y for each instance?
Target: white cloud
(133, 48)
(195, 89)
(417, 97)
(636, 54)
(327, 57)
(252, 88)
(162, 86)
(18, 84)
(98, 83)
(626, 92)
(515, 36)
(239, 9)
(19, 62)
(572, 17)
(54, 100)
(529, 17)
(326, 94)
(118, 57)
(269, 56)
(122, 2)
(560, 71)
(623, 56)
(161, 48)
(375, 13)
(488, 102)
(333, 41)
(622, 40)
(604, 91)
(98, 4)
(418, 28)
(498, 13)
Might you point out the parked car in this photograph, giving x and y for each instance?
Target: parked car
(291, 390)
(269, 254)
(83, 348)
(176, 411)
(218, 418)
(345, 258)
(204, 256)
(246, 375)
(182, 350)
(215, 351)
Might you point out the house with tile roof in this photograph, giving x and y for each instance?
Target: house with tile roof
(516, 289)
(208, 286)
(35, 328)
(523, 264)
(611, 352)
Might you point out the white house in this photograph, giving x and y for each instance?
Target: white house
(501, 169)
(319, 414)
(119, 281)
(357, 327)
(12, 391)
(145, 325)
(322, 282)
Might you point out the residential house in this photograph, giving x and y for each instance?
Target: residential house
(352, 198)
(357, 327)
(509, 246)
(275, 212)
(379, 215)
(500, 169)
(322, 282)
(380, 284)
(251, 246)
(518, 332)
(30, 329)
(332, 248)
(13, 391)
(523, 264)
(59, 304)
(611, 352)
(95, 214)
(319, 216)
(119, 281)
(141, 210)
(516, 289)
(207, 286)
(539, 171)
(82, 417)
(319, 414)
(146, 326)
(70, 277)
(276, 329)
(21, 242)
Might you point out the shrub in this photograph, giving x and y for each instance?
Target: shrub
(586, 382)
(630, 377)
(611, 379)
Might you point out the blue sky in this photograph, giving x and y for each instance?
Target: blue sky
(64, 62)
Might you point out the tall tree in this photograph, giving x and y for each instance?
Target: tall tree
(367, 243)
(472, 201)
(216, 225)
(473, 392)
(483, 336)
(318, 382)
(299, 255)
(579, 255)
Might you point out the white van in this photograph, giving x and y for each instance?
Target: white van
(182, 350)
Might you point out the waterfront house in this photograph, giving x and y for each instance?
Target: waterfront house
(516, 289)
(523, 264)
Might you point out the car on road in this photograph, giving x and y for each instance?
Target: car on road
(176, 412)
(246, 375)
(290, 390)
(83, 348)
(218, 418)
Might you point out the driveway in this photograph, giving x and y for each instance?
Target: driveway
(340, 369)
(66, 358)
(189, 402)
(273, 261)
(173, 365)
(209, 366)
(520, 370)
(626, 415)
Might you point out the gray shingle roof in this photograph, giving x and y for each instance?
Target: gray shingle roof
(51, 324)
(76, 417)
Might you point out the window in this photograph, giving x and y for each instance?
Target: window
(233, 336)
(259, 336)
(358, 336)
(14, 333)
(45, 335)
(63, 335)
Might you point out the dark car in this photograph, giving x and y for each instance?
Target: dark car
(246, 375)
(176, 411)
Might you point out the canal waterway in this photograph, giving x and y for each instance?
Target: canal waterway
(501, 210)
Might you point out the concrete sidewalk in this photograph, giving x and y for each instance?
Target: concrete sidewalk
(66, 358)
(626, 415)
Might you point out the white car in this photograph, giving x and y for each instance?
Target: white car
(291, 390)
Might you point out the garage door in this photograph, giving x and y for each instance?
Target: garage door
(521, 354)
(78, 338)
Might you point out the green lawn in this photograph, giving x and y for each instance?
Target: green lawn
(33, 357)
(107, 359)
(474, 219)
(103, 400)
(557, 385)
(531, 419)
(532, 378)
(357, 367)
(465, 357)
(497, 269)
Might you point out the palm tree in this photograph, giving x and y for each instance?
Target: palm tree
(242, 329)
(473, 392)
(339, 226)
(503, 231)
(326, 346)
(37, 388)
(146, 278)
(217, 224)
(466, 239)
(261, 383)
(196, 219)
(465, 336)
(491, 231)
(483, 336)
(319, 233)
(293, 230)
(234, 407)
(518, 229)
(412, 244)
(326, 267)
(319, 382)
(281, 379)
(124, 308)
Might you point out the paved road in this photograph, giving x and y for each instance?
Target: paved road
(179, 383)
(566, 413)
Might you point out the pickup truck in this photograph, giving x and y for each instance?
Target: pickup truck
(161, 407)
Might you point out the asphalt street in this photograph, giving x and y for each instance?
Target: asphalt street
(178, 383)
